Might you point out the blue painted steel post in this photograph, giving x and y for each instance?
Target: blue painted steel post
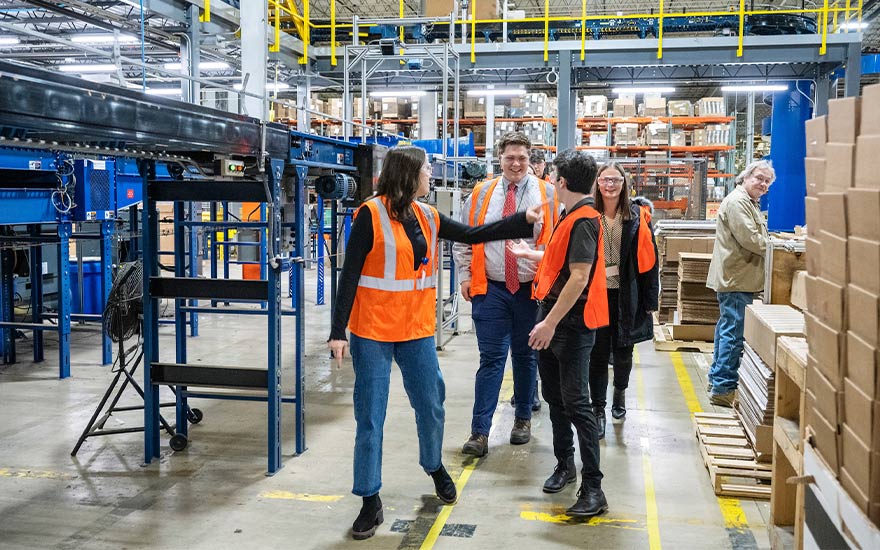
(65, 229)
(264, 246)
(319, 248)
(149, 243)
(180, 258)
(212, 250)
(107, 232)
(787, 151)
(299, 306)
(334, 248)
(7, 305)
(226, 248)
(37, 291)
(194, 259)
(276, 169)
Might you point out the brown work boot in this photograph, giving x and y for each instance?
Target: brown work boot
(723, 399)
(521, 432)
(477, 445)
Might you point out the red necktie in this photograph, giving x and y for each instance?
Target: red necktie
(511, 273)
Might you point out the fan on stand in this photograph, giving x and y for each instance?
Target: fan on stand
(122, 321)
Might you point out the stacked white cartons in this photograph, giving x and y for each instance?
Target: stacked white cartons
(657, 134)
(717, 134)
(625, 105)
(680, 108)
(595, 106)
(710, 106)
(502, 128)
(626, 134)
(536, 105)
(655, 106)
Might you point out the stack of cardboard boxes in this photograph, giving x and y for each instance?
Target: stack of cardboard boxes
(680, 108)
(696, 304)
(593, 106)
(625, 105)
(654, 106)
(671, 242)
(626, 134)
(843, 294)
(710, 106)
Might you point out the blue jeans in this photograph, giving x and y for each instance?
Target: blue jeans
(503, 322)
(425, 388)
(724, 374)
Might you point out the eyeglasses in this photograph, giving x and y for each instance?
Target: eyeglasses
(611, 181)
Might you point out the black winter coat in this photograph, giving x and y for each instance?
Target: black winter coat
(639, 293)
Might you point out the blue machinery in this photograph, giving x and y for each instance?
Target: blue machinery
(86, 152)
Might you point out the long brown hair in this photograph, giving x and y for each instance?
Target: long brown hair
(623, 204)
(399, 179)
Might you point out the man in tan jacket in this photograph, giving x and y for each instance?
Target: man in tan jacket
(737, 273)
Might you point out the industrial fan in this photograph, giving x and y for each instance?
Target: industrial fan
(121, 322)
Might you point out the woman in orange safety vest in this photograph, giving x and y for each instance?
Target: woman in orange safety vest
(633, 287)
(387, 298)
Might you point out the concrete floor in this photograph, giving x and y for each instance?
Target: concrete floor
(215, 494)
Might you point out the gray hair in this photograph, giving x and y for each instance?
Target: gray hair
(757, 165)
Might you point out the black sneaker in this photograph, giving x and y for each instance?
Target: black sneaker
(563, 474)
(369, 519)
(444, 486)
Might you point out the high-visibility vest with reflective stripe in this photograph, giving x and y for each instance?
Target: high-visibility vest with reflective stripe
(596, 308)
(645, 254)
(480, 197)
(395, 303)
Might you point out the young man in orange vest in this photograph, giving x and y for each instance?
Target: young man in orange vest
(499, 288)
(573, 303)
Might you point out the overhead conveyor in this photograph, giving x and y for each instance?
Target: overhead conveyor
(172, 148)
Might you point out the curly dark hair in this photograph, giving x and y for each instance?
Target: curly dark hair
(578, 169)
(399, 179)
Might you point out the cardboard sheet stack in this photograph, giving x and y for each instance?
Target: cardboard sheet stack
(695, 303)
(756, 402)
(843, 294)
(673, 238)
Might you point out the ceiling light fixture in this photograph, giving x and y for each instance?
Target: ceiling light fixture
(755, 88)
(398, 93)
(497, 92)
(94, 68)
(644, 90)
(104, 39)
(270, 87)
(203, 66)
(164, 91)
(9, 41)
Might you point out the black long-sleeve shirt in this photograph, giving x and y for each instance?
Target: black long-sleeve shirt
(361, 242)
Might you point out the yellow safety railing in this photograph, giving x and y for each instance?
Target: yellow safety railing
(824, 15)
(205, 16)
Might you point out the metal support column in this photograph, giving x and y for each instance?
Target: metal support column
(36, 261)
(298, 270)
(750, 128)
(791, 109)
(180, 270)
(273, 329)
(191, 57)
(65, 229)
(254, 37)
(107, 233)
(7, 304)
(195, 260)
(319, 252)
(823, 94)
(566, 104)
(334, 248)
(149, 243)
(303, 92)
(853, 78)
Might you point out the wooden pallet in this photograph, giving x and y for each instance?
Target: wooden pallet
(663, 341)
(729, 457)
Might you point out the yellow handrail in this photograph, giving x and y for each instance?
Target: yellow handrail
(332, 33)
(660, 33)
(546, 29)
(742, 17)
(834, 19)
(823, 47)
(205, 16)
(473, 31)
(402, 28)
(307, 31)
(583, 28)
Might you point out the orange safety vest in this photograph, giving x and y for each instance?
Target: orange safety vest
(596, 308)
(480, 205)
(645, 254)
(393, 303)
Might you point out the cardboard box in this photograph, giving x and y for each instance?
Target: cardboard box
(855, 492)
(825, 300)
(814, 170)
(870, 124)
(817, 136)
(864, 263)
(827, 349)
(834, 260)
(840, 156)
(863, 212)
(832, 212)
(865, 174)
(863, 311)
(799, 290)
(860, 411)
(474, 107)
(814, 255)
(680, 108)
(673, 246)
(823, 434)
(814, 222)
(856, 457)
(862, 364)
(843, 119)
(764, 323)
(704, 333)
(829, 398)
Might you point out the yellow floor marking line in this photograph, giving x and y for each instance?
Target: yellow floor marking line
(734, 517)
(304, 497)
(653, 517)
(34, 474)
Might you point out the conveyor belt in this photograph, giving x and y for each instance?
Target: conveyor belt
(39, 104)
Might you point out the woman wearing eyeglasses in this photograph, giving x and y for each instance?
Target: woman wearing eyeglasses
(633, 282)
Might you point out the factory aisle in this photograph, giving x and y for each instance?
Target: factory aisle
(216, 494)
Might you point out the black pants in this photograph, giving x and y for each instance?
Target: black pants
(564, 368)
(606, 342)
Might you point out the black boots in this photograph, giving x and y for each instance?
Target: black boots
(563, 474)
(369, 519)
(444, 486)
(590, 502)
(618, 404)
(600, 421)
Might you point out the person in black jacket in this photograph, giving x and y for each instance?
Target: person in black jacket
(633, 286)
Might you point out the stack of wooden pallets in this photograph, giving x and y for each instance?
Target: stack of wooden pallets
(729, 457)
